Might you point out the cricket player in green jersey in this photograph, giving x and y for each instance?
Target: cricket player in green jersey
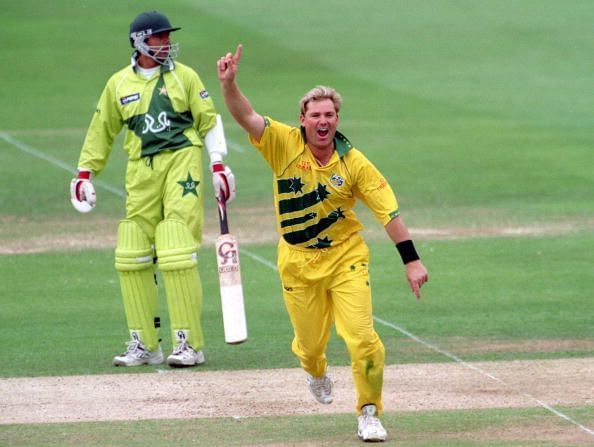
(169, 117)
(322, 258)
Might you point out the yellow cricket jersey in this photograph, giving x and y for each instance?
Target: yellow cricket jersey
(169, 111)
(314, 204)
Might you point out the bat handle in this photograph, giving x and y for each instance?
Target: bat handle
(223, 222)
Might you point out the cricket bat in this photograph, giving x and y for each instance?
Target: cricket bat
(227, 251)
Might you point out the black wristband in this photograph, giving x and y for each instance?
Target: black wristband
(407, 251)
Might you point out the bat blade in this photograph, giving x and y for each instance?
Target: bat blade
(234, 320)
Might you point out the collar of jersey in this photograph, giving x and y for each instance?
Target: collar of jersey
(342, 144)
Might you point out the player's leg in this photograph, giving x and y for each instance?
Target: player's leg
(310, 312)
(134, 259)
(134, 263)
(176, 252)
(351, 297)
(177, 240)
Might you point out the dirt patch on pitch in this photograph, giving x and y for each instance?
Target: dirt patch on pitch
(173, 394)
(251, 226)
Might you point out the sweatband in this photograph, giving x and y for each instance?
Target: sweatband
(407, 251)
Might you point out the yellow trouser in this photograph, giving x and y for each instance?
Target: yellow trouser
(320, 285)
(164, 208)
(168, 186)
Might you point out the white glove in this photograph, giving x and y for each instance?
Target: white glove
(223, 181)
(82, 192)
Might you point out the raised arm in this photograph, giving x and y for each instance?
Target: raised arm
(236, 102)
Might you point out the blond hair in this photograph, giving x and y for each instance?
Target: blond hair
(321, 92)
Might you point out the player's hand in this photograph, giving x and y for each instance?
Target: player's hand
(82, 192)
(227, 65)
(223, 181)
(416, 275)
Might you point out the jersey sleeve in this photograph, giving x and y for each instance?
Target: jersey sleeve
(373, 189)
(105, 125)
(201, 105)
(274, 144)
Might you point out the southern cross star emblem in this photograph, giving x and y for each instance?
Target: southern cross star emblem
(189, 185)
(296, 185)
(322, 191)
(163, 91)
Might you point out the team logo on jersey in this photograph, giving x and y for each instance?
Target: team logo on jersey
(156, 126)
(163, 91)
(204, 94)
(337, 180)
(189, 185)
(130, 98)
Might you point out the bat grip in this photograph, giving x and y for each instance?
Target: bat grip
(223, 222)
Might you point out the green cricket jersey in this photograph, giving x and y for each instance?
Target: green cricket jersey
(314, 204)
(171, 110)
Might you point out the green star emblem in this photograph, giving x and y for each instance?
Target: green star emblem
(322, 191)
(322, 243)
(296, 184)
(337, 214)
(189, 185)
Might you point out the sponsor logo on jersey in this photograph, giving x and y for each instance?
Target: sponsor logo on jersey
(204, 94)
(130, 98)
(337, 180)
(304, 165)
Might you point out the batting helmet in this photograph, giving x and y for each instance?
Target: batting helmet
(148, 23)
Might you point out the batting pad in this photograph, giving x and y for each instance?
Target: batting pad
(134, 263)
(177, 255)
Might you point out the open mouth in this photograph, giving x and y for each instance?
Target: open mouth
(322, 132)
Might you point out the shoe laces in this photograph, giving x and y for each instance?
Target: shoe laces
(181, 347)
(134, 346)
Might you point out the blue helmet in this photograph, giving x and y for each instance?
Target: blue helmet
(146, 24)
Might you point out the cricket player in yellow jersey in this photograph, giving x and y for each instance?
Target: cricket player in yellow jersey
(322, 258)
(169, 117)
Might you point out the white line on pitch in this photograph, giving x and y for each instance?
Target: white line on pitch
(480, 371)
(56, 162)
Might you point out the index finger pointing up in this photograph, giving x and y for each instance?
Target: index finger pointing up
(237, 55)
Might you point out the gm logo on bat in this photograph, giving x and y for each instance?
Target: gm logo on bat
(228, 254)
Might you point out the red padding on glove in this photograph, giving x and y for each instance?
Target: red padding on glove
(218, 167)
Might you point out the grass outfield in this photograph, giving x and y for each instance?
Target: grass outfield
(509, 290)
(493, 428)
(478, 113)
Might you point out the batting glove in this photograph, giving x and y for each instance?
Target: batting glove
(82, 192)
(223, 181)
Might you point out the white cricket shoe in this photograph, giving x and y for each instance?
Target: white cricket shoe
(370, 427)
(136, 354)
(321, 388)
(185, 355)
